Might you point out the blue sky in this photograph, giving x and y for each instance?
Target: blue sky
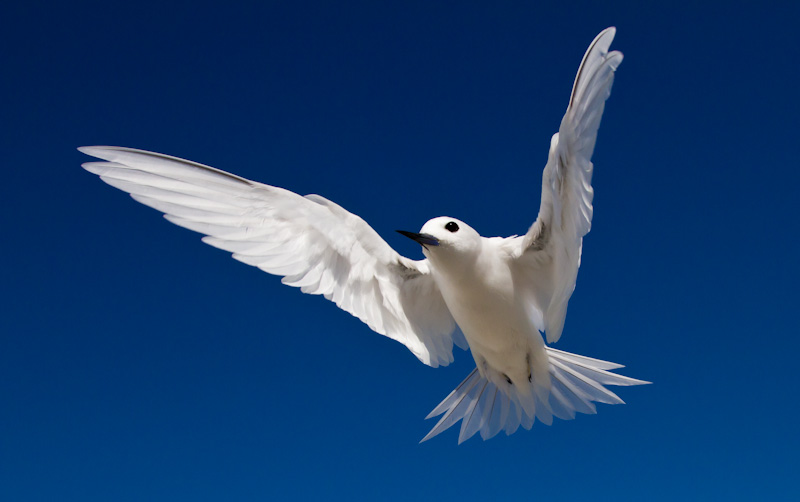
(138, 364)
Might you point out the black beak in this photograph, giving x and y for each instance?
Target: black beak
(424, 239)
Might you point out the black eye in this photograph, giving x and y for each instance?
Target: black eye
(451, 227)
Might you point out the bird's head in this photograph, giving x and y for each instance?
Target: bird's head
(445, 236)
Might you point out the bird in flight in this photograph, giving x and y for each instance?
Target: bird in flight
(493, 296)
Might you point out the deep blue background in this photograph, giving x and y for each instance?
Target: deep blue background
(138, 364)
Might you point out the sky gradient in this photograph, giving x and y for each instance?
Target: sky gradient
(137, 363)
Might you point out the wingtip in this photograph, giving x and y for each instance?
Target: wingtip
(609, 33)
(604, 38)
(93, 167)
(95, 149)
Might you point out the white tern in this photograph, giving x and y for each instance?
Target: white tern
(494, 296)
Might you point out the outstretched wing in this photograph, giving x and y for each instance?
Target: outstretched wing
(549, 255)
(313, 243)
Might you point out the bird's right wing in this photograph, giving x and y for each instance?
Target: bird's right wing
(549, 254)
(313, 243)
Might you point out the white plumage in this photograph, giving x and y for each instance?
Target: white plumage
(501, 293)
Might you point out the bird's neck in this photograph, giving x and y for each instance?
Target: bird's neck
(465, 269)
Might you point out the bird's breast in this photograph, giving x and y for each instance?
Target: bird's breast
(485, 306)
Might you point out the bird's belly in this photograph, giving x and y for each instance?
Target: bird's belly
(502, 337)
(492, 323)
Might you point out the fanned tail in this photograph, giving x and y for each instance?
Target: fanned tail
(576, 383)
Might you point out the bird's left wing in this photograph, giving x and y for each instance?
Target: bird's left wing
(313, 243)
(549, 254)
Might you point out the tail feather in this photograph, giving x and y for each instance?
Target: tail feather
(589, 361)
(544, 412)
(514, 416)
(590, 389)
(572, 398)
(498, 418)
(456, 395)
(458, 403)
(473, 419)
(559, 403)
(576, 383)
